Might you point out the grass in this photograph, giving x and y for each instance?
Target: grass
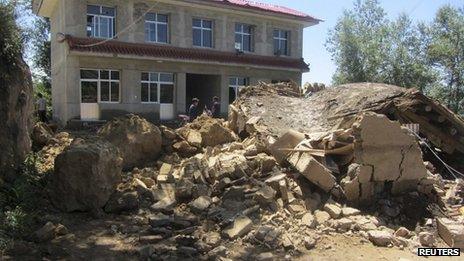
(19, 203)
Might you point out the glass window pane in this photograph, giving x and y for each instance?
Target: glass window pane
(144, 76)
(232, 95)
(104, 91)
(89, 92)
(284, 47)
(207, 24)
(246, 43)
(207, 39)
(167, 77)
(232, 81)
(238, 38)
(162, 18)
(167, 93)
(276, 45)
(104, 74)
(115, 91)
(197, 22)
(104, 27)
(276, 33)
(89, 74)
(144, 92)
(150, 17)
(153, 92)
(150, 30)
(154, 77)
(197, 37)
(90, 25)
(238, 28)
(109, 11)
(162, 33)
(114, 75)
(247, 29)
(241, 81)
(93, 9)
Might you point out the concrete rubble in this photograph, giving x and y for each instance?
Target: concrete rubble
(244, 189)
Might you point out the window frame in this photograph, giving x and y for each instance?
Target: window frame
(99, 16)
(202, 28)
(236, 86)
(158, 86)
(99, 80)
(156, 23)
(280, 39)
(243, 34)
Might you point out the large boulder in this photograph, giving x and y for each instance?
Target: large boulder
(16, 99)
(86, 175)
(41, 134)
(138, 141)
(206, 131)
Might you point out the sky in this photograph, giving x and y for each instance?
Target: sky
(314, 51)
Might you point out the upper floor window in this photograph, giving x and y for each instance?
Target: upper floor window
(281, 42)
(202, 33)
(100, 21)
(244, 37)
(157, 87)
(156, 28)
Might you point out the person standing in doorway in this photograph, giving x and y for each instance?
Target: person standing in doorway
(194, 111)
(216, 108)
(42, 108)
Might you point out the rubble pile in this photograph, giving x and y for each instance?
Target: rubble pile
(253, 188)
(54, 146)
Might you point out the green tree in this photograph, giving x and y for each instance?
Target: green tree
(357, 43)
(446, 53)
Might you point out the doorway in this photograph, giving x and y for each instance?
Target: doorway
(203, 87)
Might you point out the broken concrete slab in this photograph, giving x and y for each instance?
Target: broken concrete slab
(452, 232)
(241, 226)
(333, 210)
(380, 238)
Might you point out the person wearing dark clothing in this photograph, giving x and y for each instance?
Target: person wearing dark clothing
(42, 108)
(194, 111)
(216, 108)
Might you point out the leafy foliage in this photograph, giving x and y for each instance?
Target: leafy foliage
(10, 39)
(367, 47)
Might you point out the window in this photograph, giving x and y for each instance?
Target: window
(156, 28)
(157, 87)
(202, 33)
(244, 37)
(281, 42)
(235, 83)
(100, 21)
(99, 86)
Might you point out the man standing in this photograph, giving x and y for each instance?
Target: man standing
(194, 110)
(42, 108)
(216, 108)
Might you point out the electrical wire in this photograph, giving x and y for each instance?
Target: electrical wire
(121, 31)
(452, 171)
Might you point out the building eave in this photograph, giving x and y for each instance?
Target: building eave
(44, 8)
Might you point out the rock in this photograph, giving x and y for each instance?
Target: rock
(308, 220)
(426, 239)
(333, 210)
(213, 239)
(61, 230)
(321, 217)
(151, 239)
(46, 233)
(122, 201)
(167, 204)
(241, 226)
(265, 163)
(168, 133)
(41, 134)
(138, 140)
(16, 105)
(452, 232)
(296, 208)
(403, 232)
(380, 238)
(86, 175)
(231, 165)
(219, 251)
(265, 195)
(347, 211)
(200, 204)
(309, 243)
(184, 148)
(207, 131)
(165, 170)
(267, 256)
(344, 224)
(312, 170)
(159, 220)
(287, 242)
(146, 252)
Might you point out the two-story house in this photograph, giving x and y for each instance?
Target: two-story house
(113, 57)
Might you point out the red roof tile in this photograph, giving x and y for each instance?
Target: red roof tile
(269, 8)
(170, 52)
